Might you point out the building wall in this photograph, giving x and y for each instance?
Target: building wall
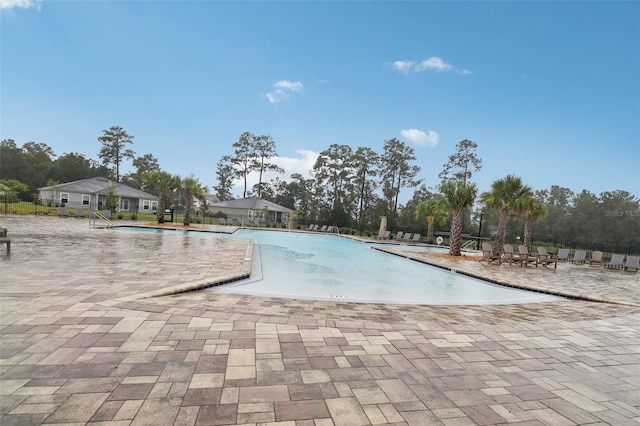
(97, 202)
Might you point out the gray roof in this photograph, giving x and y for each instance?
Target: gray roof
(101, 186)
(252, 203)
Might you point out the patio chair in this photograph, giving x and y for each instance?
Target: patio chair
(62, 211)
(580, 256)
(616, 262)
(524, 257)
(399, 235)
(323, 229)
(407, 236)
(487, 254)
(545, 258)
(415, 238)
(633, 262)
(508, 254)
(386, 235)
(106, 214)
(596, 257)
(563, 254)
(311, 227)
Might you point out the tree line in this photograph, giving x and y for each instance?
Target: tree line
(354, 188)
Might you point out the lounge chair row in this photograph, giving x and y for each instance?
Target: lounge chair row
(400, 236)
(523, 257)
(323, 228)
(617, 261)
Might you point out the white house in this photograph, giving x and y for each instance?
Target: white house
(92, 194)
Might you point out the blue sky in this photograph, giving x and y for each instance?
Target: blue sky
(550, 91)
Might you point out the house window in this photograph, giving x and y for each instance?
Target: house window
(146, 204)
(86, 199)
(125, 205)
(64, 197)
(154, 206)
(250, 214)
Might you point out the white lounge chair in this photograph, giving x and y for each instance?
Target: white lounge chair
(415, 238)
(580, 256)
(563, 254)
(633, 262)
(407, 236)
(616, 262)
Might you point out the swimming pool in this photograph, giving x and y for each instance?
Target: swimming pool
(329, 267)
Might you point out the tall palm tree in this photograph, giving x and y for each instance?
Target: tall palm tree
(530, 208)
(507, 195)
(163, 184)
(433, 210)
(190, 188)
(456, 196)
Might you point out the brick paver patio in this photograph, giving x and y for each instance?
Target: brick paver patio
(93, 331)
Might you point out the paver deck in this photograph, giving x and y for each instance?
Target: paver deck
(92, 331)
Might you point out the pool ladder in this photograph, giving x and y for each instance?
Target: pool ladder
(97, 215)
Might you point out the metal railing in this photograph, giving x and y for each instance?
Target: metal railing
(97, 215)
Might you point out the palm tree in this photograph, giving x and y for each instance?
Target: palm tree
(456, 196)
(190, 188)
(530, 208)
(507, 195)
(433, 210)
(163, 184)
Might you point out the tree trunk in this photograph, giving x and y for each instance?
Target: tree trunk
(528, 232)
(430, 221)
(455, 243)
(187, 216)
(160, 212)
(502, 230)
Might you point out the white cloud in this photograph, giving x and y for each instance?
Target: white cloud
(294, 86)
(284, 89)
(434, 63)
(429, 138)
(430, 64)
(22, 4)
(403, 66)
(302, 165)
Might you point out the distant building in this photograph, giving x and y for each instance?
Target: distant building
(252, 209)
(92, 194)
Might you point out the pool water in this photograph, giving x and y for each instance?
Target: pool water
(329, 267)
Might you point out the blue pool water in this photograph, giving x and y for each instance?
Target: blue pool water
(329, 267)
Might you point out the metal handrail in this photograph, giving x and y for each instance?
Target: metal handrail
(93, 215)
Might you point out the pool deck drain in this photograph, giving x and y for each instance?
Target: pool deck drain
(72, 351)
